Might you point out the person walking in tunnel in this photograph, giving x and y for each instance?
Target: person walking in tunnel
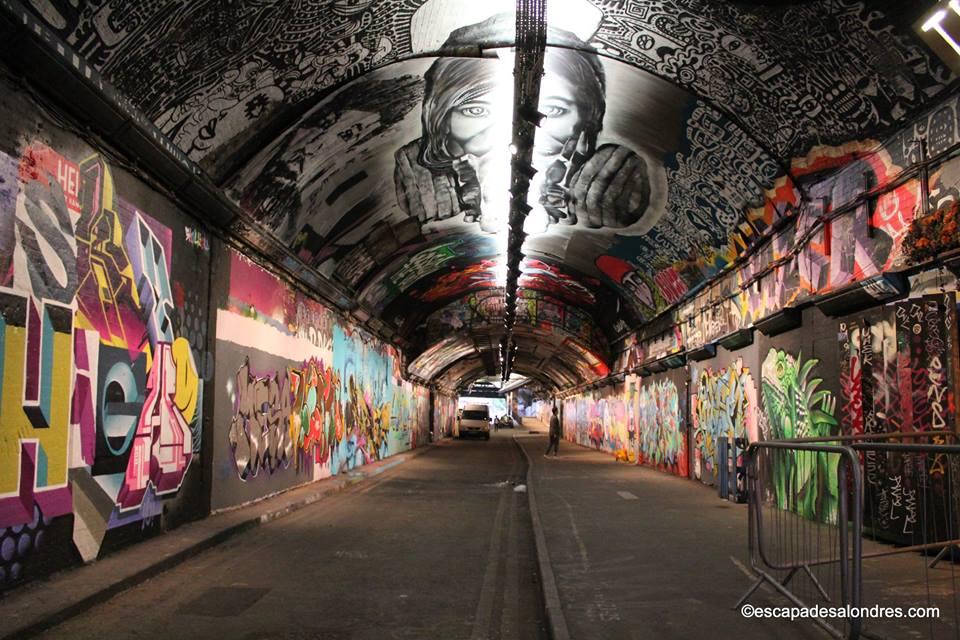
(554, 434)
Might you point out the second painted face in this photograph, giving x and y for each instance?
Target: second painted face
(562, 115)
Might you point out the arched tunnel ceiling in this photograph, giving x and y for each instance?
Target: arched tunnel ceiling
(371, 138)
(465, 371)
(552, 338)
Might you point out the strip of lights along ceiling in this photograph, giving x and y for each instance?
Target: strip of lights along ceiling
(531, 44)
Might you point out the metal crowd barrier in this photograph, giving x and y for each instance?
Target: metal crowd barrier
(866, 521)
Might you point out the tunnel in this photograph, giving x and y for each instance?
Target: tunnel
(265, 266)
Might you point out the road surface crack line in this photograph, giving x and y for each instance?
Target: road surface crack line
(556, 621)
(509, 626)
(488, 592)
(584, 559)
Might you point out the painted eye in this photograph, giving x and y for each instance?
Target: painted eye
(555, 111)
(474, 111)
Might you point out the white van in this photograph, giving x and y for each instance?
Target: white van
(475, 420)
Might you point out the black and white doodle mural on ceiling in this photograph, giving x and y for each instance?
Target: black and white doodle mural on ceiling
(208, 71)
(360, 134)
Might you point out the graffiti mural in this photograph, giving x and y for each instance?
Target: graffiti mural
(723, 404)
(260, 432)
(641, 423)
(445, 415)
(536, 312)
(101, 413)
(896, 371)
(456, 166)
(794, 407)
(149, 383)
(661, 431)
(809, 257)
(359, 138)
(312, 395)
(598, 420)
(279, 58)
(896, 368)
(813, 63)
(35, 408)
(393, 282)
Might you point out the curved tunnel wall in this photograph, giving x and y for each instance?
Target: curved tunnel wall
(858, 222)
(890, 368)
(114, 307)
(114, 425)
(303, 395)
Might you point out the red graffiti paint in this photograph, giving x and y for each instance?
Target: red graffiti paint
(38, 162)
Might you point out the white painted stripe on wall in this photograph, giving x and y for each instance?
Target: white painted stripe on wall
(250, 333)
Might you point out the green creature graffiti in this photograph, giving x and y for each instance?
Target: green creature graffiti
(804, 482)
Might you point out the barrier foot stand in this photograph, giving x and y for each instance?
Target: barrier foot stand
(787, 578)
(816, 583)
(753, 587)
(937, 558)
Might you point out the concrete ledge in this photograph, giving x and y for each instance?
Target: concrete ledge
(41, 605)
(556, 622)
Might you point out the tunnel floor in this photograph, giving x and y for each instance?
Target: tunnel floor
(634, 551)
(439, 547)
(443, 546)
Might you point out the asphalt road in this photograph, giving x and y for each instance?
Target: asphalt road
(639, 554)
(440, 546)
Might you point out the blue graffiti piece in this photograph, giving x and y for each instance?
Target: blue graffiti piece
(120, 407)
(42, 480)
(46, 366)
(149, 264)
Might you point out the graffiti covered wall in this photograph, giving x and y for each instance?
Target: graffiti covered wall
(540, 410)
(897, 373)
(794, 407)
(303, 394)
(103, 324)
(835, 237)
(638, 420)
(661, 423)
(598, 419)
(444, 415)
(896, 367)
(723, 404)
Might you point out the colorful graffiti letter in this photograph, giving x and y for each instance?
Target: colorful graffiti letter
(724, 406)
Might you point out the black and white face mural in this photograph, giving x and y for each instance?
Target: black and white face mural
(463, 151)
(324, 186)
